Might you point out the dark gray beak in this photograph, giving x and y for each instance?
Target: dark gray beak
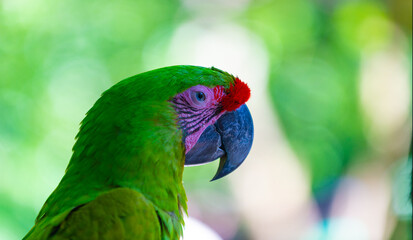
(229, 139)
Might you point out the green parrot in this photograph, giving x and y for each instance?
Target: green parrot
(124, 179)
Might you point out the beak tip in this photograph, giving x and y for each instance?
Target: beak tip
(218, 176)
(227, 165)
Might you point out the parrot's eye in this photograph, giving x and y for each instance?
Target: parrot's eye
(198, 96)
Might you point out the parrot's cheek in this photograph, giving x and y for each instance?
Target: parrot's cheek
(229, 139)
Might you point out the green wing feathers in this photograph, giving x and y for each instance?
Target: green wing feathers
(121, 213)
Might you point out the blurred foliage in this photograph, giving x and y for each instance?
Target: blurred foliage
(314, 90)
(317, 49)
(56, 57)
(316, 52)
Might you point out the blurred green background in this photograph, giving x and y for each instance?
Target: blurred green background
(331, 101)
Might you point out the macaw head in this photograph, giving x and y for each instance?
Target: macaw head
(173, 111)
(215, 123)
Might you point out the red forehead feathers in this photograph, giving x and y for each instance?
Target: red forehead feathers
(237, 94)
